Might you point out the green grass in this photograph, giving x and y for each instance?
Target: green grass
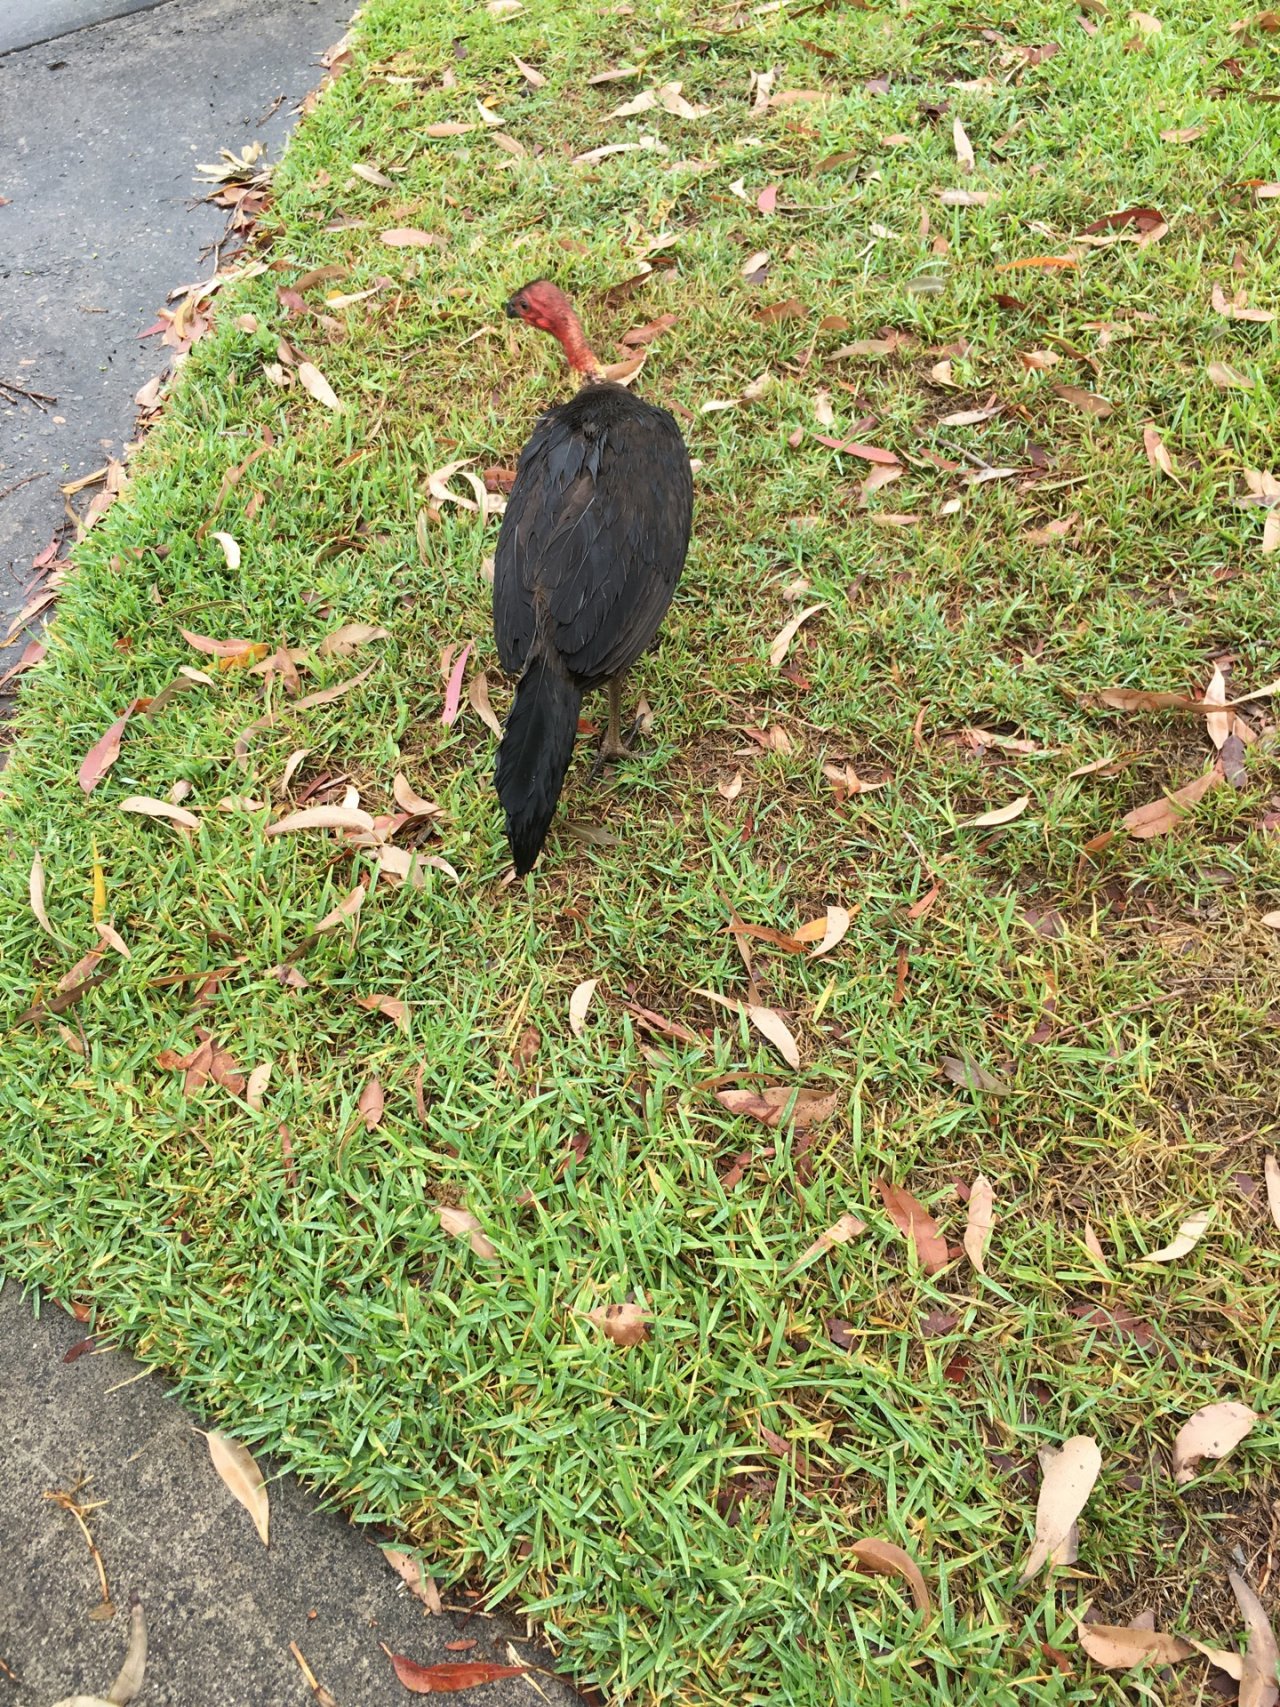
(314, 1306)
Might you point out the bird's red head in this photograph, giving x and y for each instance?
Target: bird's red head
(545, 306)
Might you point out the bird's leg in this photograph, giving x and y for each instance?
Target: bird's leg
(612, 746)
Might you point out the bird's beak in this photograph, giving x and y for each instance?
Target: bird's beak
(512, 313)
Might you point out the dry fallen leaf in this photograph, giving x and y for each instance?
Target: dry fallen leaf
(35, 889)
(1217, 723)
(1210, 1432)
(409, 237)
(478, 695)
(827, 931)
(624, 1324)
(579, 1002)
(1228, 378)
(391, 1006)
(1157, 455)
(230, 549)
(769, 1104)
(414, 1573)
(148, 808)
(343, 913)
(448, 1678)
(1158, 817)
(255, 1089)
(916, 1224)
(316, 385)
(782, 640)
(243, 1478)
(104, 753)
(1069, 1475)
(323, 818)
(460, 1223)
(342, 642)
(1258, 1687)
(885, 1559)
(1089, 401)
(410, 802)
(998, 815)
(978, 1227)
(964, 148)
(1119, 1647)
(1186, 1239)
(372, 1105)
(838, 1233)
(754, 263)
(1271, 1169)
(769, 1024)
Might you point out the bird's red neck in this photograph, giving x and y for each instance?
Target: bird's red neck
(578, 353)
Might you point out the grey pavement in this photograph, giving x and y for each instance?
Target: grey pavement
(221, 1609)
(25, 22)
(100, 132)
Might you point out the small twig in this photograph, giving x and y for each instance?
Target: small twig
(39, 398)
(968, 455)
(8, 1671)
(317, 1688)
(68, 1503)
(18, 484)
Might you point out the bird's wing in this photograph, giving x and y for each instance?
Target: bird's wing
(614, 553)
(526, 522)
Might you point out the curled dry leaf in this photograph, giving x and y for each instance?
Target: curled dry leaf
(838, 1233)
(579, 1002)
(391, 1006)
(886, 1559)
(624, 1324)
(964, 148)
(1089, 401)
(453, 687)
(410, 802)
(1217, 724)
(104, 753)
(1228, 378)
(1157, 455)
(323, 818)
(316, 385)
(1119, 1647)
(35, 889)
(478, 694)
(998, 815)
(782, 640)
(414, 1573)
(461, 1223)
(1158, 817)
(1186, 1239)
(342, 913)
(1069, 1475)
(1258, 1687)
(827, 932)
(148, 808)
(978, 1226)
(245, 1481)
(230, 549)
(731, 789)
(1210, 1432)
(915, 1223)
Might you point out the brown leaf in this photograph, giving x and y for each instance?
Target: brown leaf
(414, 1573)
(245, 1481)
(104, 752)
(624, 1324)
(1120, 1647)
(769, 1104)
(1069, 1475)
(460, 1223)
(1157, 455)
(326, 696)
(1258, 1687)
(1046, 261)
(148, 808)
(255, 1089)
(1228, 378)
(410, 802)
(342, 642)
(478, 695)
(372, 1105)
(838, 1233)
(1141, 218)
(646, 334)
(409, 237)
(884, 1558)
(532, 77)
(1158, 817)
(343, 913)
(964, 148)
(1185, 1240)
(850, 447)
(391, 1006)
(971, 1077)
(316, 385)
(450, 1677)
(781, 644)
(915, 1223)
(1218, 724)
(207, 1061)
(1210, 1432)
(323, 818)
(791, 309)
(1089, 401)
(1185, 133)
(769, 1024)
(827, 931)
(1052, 531)
(978, 1227)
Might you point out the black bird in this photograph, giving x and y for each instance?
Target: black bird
(591, 547)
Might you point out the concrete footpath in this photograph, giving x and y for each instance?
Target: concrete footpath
(100, 130)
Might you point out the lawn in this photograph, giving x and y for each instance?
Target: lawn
(1088, 1017)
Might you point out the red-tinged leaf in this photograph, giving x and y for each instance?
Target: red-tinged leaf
(217, 648)
(791, 309)
(1088, 401)
(767, 200)
(1141, 218)
(448, 1678)
(915, 1223)
(868, 453)
(1046, 261)
(104, 753)
(461, 1223)
(453, 689)
(1157, 455)
(918, 909)
(1161, 816)
(640, 335)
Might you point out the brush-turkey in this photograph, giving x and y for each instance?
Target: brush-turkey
(591, 547)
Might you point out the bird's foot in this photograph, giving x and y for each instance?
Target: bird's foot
(609, 754)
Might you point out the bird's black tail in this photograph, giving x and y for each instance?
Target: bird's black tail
(537, 745)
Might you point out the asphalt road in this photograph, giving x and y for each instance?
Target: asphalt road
(100, 131)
